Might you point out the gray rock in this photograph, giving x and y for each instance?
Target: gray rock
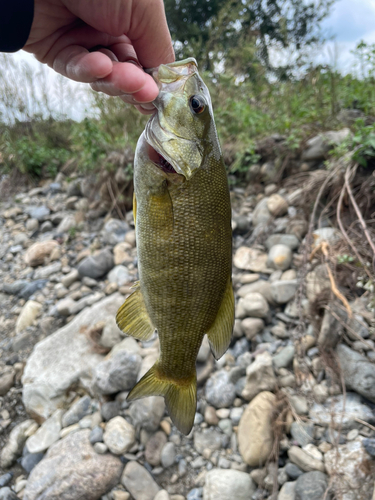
(154, 447)
(228, 485)
(15, 287)
(96, 435)
(68, 222)
(47, 434)
(289, 240)
(293, 471)
(46, 227)
(259, 377)
(111, 334)
(96, 266)
(168, 455)
(63, 360)
(287, 491)
(253, 305)
(30, 460)
(79, 409)
(7, 494)
(284, 290)
(6, 380)
(32, 225)
(147, 413)
(285, 357)
(261, 214)
(358, 372)
(119, 275)
(139, 482)
(208, 438)
(119, 435)
(114, 231)
(279, 257)
(70, 278)
(5, 479)
(47, 271)
(312, 486)
(31, 288)
(302, 433)
(110, 409)
(220, 392)
(38, 213)
(318, 146)
(119, 373)
(369, 445)
(71, 470)
(15, 443)
(100, 448)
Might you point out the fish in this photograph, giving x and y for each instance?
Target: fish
(182, 217)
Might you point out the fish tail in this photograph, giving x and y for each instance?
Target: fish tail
(180, 395)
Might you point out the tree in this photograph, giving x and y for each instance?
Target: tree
(241, 33)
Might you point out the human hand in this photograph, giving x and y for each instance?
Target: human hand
(105, 43)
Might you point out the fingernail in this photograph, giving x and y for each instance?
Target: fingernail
(148, 106)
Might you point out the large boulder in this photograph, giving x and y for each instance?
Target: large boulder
(64, 360)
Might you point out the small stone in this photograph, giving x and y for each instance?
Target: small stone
(100, 448)
(293, 471)
(15, 443)
(154, 448)
(45, 272)
(277, 205)
(220, 392)
(30, 460)
(251, 327)
(139, 482)
(304, 460)
(70, 278)
(5, 479)
(284, 357)
(289, 240)
(120, 275)
(210, 415)
(255, 433)
(147, 413)
(119, 435)
(261, 214)
(32, 225)
(81, 408)
(299, 404)
(36, 254)
(221, 484)
(96, 435)
(284, 290)
(302, 433)
(311, 486)
(254, 305)
(121, 495)
(110, 409)
(38, 213)
(29, 313)
(287, 491)
(7, 494)
(7, 379)
(279, 257)
(209, 438)
(47, 434)
(114, 231)
(259, 376)
(250, 259)
(96, 266)
(358, 372)
(168, 455)
(119, 373)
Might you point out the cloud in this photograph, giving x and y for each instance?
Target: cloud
(351, 20)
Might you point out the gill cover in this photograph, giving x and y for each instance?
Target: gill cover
(175, 131)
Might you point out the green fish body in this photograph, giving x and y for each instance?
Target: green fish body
(184, 240)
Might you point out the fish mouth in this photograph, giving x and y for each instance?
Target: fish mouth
(159, 160)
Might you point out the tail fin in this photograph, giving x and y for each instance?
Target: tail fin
(180, 396)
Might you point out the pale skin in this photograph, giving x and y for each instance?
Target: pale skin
(126, 35)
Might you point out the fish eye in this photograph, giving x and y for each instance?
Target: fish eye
(197, 104)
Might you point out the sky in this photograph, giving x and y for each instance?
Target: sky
(349, 22)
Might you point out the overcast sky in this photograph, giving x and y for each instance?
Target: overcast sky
(349, 22)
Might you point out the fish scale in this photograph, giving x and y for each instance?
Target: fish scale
(183, 231)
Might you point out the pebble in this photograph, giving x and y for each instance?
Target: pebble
(284, 290)
(29, 313)
(100, 448)
(279, 257)
(168, 455)
(253, 305)
(154, 447)
(251, 327)
(16, 440)
(228, 485)
(139, 482)
(284, 357)
(259, 377)
(119, 435)
(96, 266)
(7, 494)
(119, 373)
(47, 434)
(311, 486)
(110, 409)
(30, 460)
(220, 392)
(304, 460)
(293, 471)
(147, 413)
(96, 435)
(77, 411)
(5, 479)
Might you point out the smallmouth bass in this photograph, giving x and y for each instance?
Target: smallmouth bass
(183, 230)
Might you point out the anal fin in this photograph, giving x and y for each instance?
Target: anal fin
(220, 333)
(132, 317)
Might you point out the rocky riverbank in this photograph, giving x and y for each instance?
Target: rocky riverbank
(287, 413)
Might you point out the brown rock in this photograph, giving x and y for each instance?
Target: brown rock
(154, 447)
(255, 433)
(277, 205)
(36, 254)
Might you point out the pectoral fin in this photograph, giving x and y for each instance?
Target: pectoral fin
(132, 317)
(220, 333)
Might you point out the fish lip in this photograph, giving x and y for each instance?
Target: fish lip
(153, 142)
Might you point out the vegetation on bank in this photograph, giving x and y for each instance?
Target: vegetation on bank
(37, 140)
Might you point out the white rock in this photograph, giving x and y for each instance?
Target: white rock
(224, 484)
(279, 257)
(29, 313)
(253, 305)
(119, 435)
(47, 434)
(63, 360)
(251, 259)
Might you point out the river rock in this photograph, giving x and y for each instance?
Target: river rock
(259, 377)
(119, 435)
(210, 439)
(287, 491)
(78, 410)
(284, 357)
(36, 254)
(283, 291)
(220, 391)
(63, 360)
(255, 432)
(68, 222)
(352, 470)
(47, 434)
(147, 413)
(29, 313)
(7, 494)
(317, 147)
(119, 275)
(279, 257)
(277, 205)
(119, 373)
(154, 448)
(250, 259)
(139, 482)
(253, 305)
(168, 455)
(70, 278)
(228, 485)
(96, 266)
(114, 231)
(16, 441)
(251, 327)
(304, 460)
(358, 372)
(7, 376)
(289, 240)
(261, 286)
(261, 214)
(32, 288)
(312, 486)
(316, 282)
(72, 470)
(39, 213)
(45, 272)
